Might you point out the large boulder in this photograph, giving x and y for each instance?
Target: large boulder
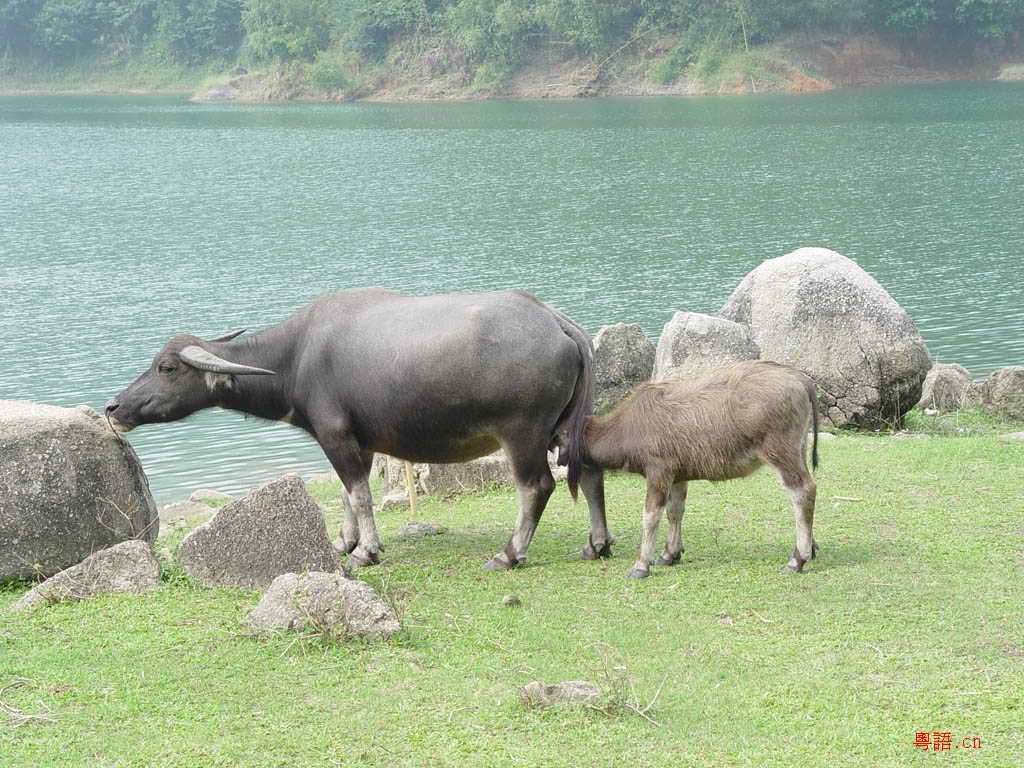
(452, 479)
(692, 344)
(945, 387)
(1003, 392)
(623, 358)
(328, 603)
(821, 313)
(69, 486)
(126, 567)
(275, 529)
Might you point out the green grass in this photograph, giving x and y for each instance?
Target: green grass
(911, 619)
(142, 74)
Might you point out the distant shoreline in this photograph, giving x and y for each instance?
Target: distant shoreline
(796, 66)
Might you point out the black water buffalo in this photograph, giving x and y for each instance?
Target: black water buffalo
(444, 378)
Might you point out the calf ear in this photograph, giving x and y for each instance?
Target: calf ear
(199, 358)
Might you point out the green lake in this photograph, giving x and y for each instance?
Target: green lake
(124, 220)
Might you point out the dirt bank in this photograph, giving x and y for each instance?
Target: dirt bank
(436, 70)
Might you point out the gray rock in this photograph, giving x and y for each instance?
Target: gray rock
(410, 530)
(208, 494)
(396, 499)
(275, 529)
(976, 394)
(623, 358)
(512, 601)
(1012, 437)
(692, 344)
(324, 602)
(126, 567)
(454, 479)
(945, 387)
(69, 487)
(181, 510)
(1003, 392)
(574, 693)
(821, 313)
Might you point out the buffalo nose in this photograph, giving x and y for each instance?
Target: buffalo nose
(111, 406)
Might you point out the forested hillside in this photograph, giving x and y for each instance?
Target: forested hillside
(491, 39)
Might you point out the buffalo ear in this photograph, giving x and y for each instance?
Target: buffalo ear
(199, 358)
(230, 336)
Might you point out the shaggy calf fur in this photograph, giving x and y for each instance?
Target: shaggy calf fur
(719, 426)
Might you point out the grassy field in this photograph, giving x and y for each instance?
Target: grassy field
(138, 75)
(910, 620)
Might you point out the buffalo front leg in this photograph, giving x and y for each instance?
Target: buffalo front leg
(599, 544)
(348, 540)
(674, 508)
(367, 551)
(653, 506)
(535, 485)
(358, 530)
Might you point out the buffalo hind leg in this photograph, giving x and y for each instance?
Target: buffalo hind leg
(599, 543)
(534, 483)
(674, 508)
(653, 506)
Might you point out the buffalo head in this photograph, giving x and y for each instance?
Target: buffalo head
(184, 378)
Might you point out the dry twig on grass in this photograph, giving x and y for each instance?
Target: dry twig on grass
(16, 716)
(620, 688)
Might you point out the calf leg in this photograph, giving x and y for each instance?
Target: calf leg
(802, 491)
(674, 508)
(653, 505)
(534, 483)
(600, 542)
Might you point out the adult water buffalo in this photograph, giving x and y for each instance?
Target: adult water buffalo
(444, 378)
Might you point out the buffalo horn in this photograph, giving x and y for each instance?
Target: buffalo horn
(199, 358)
(230, 336)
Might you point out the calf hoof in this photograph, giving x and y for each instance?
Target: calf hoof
(791, 568)
(592, 552)
(667, 559)
(363, 559)
(638, 573)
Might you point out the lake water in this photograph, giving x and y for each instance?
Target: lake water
(124, 220)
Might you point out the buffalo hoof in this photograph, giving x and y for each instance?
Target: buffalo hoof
(501, 562)
(364, 559)
(667, 559)
(638, 573)
(591, 552)
(342, 548)
(790, 568)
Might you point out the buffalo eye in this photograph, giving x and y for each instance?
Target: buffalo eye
(165, 368)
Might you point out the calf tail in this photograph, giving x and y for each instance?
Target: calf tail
(581, 404)
(812, 393)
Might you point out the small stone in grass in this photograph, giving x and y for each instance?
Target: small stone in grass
(512, 601)
(421, 529)
(574, 693)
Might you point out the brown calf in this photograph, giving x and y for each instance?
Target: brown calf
(719, 426)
